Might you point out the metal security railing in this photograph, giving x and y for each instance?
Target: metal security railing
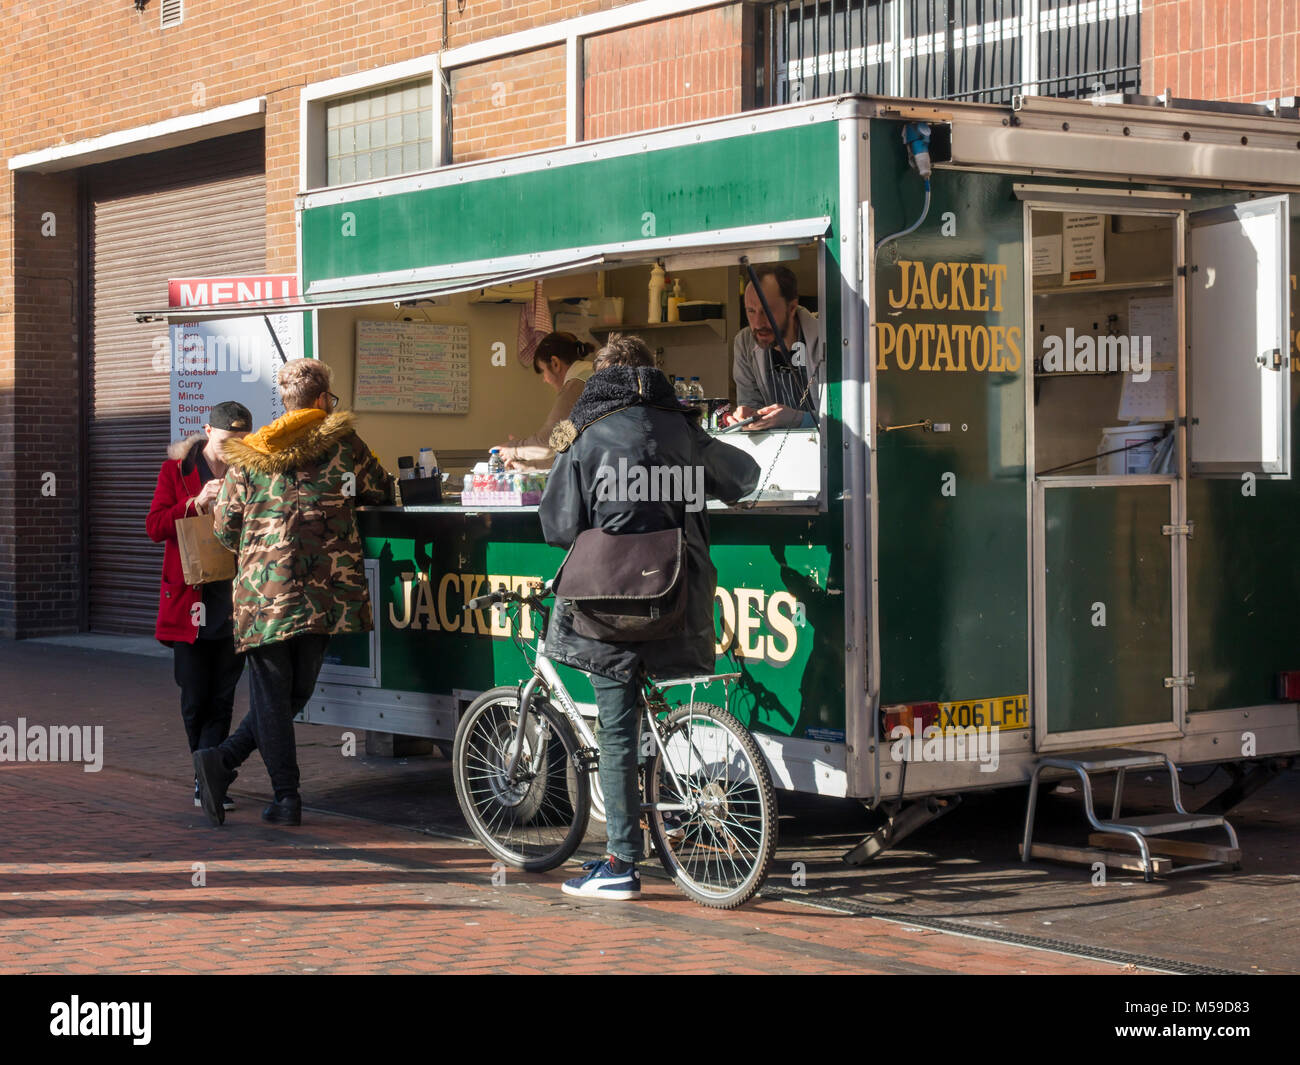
(982, 50)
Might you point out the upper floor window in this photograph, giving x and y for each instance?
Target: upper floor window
(981, 50)
(379, 133)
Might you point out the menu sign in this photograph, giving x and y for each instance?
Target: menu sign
(420, 367)
(230, 358)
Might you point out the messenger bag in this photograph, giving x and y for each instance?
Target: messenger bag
(626, 588)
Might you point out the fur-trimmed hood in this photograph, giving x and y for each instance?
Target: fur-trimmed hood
(613, 389)
(186, 451)
(278, 447)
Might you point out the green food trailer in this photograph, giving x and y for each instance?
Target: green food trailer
(1047, 512)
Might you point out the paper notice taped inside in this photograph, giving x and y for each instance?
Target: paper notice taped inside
(1084, 248)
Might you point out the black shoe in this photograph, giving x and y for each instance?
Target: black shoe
(284, 812)
(226, 804)
(214, 778)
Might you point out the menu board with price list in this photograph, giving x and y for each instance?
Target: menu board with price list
(421, 367)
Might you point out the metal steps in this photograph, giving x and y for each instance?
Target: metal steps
(1129, 832)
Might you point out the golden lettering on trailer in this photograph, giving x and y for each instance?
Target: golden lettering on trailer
(947, 345)
(755, 625)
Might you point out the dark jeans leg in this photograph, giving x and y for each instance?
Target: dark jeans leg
(620, 717)
(281, 678)
(189, 667)
(225, 667)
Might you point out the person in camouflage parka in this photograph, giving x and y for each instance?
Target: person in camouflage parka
(287, 509)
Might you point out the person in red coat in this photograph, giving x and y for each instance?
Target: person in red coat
(196, 622)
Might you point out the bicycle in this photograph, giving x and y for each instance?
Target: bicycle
(523, 780)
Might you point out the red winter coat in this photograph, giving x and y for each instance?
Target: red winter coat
(178, 484)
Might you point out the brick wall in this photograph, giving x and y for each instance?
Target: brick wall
(679, 70)
(508, 105)
(41, 568)
(1235, 50)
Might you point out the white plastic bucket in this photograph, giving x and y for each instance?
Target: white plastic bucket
(1138, 458)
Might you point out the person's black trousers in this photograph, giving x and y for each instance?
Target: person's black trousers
(208, 672)
(281, 677)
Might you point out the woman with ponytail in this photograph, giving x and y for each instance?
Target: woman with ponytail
(565, 364)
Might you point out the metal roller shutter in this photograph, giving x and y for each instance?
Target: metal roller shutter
(186, 212)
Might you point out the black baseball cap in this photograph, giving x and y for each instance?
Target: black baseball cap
(231, 416)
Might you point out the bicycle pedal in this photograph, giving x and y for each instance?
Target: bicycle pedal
(586, 759)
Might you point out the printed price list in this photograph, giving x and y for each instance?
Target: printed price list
(420, 367)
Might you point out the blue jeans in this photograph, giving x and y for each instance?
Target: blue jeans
(620, 719)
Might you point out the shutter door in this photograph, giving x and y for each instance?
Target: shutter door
(194, 211)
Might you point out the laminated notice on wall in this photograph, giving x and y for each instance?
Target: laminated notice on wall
(1047, 254)
(420, 367)
(1084, 237)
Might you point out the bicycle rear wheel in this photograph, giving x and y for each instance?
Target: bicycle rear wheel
(536, 820)
(719, 848)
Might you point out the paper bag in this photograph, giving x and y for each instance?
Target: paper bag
(203, 558)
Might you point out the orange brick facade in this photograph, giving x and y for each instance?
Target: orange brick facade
(680, 70)
(508, 105)
(1235, 50)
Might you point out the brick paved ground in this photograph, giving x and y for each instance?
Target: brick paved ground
(97, 873)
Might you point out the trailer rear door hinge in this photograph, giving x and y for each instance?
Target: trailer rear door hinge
(1179, 530)
(1188, 681)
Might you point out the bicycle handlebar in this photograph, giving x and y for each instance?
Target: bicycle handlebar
(505, 595)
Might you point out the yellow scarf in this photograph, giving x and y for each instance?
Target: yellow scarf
(284, 430)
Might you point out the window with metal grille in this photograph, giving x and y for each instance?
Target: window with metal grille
(983, 50)
(172, 12)
(379, 133)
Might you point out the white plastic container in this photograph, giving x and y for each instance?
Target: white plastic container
(1137, 459)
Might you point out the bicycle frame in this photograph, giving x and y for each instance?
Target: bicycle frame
(545, 674)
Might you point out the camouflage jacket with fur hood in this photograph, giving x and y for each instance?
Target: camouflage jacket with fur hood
(287, 508)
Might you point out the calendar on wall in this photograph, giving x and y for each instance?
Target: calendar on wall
(416, 367)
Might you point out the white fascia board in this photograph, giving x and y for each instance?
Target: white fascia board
(764, 234)
(582, 26)
(369, 79)
(788, 116)
(156, 136)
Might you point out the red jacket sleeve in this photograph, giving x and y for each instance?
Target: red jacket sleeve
(170, 503)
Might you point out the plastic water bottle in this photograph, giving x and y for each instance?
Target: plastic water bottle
(496, 464)
(695, 396)
(680, 389)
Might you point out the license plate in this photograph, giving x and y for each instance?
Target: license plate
(1004, 713)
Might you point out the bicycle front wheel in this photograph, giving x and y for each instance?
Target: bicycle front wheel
(536, 818)
(711, 807)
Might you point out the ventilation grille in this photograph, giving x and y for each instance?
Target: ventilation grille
(173, 11)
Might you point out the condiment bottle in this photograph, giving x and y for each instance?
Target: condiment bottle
(656, 295)
(674, 301)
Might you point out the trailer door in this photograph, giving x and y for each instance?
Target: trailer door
(1239, 382)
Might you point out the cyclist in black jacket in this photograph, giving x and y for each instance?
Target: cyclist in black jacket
(629, 419)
